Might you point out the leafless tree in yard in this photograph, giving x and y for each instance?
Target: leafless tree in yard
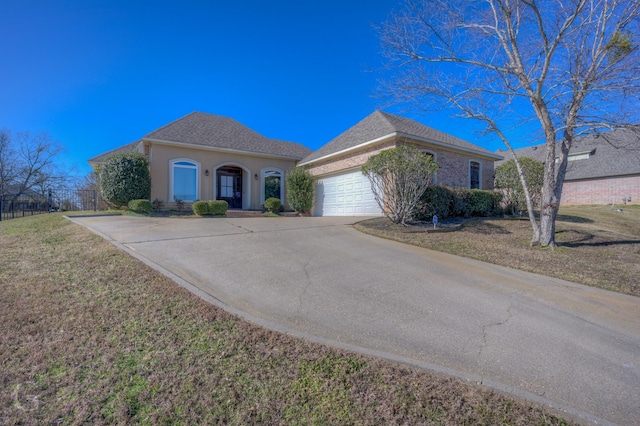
(556, 68)
(28, 163)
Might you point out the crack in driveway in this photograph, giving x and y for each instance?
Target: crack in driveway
(496, 324)
(306, 287)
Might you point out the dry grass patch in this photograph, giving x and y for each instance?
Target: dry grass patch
(598, 246)
(91, 335)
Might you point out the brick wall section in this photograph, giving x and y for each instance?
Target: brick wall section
(454, 170)
(602, 191)
(348, 160)
(454, 166)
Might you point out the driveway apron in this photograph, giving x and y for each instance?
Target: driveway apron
(573, 347)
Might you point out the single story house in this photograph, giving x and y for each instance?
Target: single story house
(207, 157)
(342, 189)
(203, 156)
(602, 168)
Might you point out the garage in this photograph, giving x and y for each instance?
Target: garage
(346, 194)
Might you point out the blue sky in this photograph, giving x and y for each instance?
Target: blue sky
(96, 75)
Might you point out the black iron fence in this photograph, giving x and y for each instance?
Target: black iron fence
(20, 205)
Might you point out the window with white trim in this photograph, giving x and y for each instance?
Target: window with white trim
(272, 184)
(184, 180)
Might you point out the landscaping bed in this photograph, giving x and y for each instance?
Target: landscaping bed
(597, 245)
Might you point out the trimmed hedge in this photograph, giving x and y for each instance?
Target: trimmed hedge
(458, 202)
(484, 203)
(211, 207)
(436, 200)
(201, 208)
(140, 206)
(272, 205)
(218, 207)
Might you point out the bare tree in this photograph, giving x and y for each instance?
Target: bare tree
(27, 163)
(7, 161)
(555, 68)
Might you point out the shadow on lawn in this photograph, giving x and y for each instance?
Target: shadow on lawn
(586, 239)
(573, 219)
(600, 243)
(485, 227)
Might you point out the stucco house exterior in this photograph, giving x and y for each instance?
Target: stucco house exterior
(603, 168)
(206, 157)
(342, 189)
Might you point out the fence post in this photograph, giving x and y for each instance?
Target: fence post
(1, 204)
(95, 200)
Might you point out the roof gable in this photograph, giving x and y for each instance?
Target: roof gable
(614, 153)
(380, 124)
(216, 131)
(130, 147)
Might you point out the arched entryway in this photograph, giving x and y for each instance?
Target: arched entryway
(229, 186)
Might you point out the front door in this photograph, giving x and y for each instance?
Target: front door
(230, 186)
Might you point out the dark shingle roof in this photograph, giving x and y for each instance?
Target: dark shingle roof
(130, 147)
(615, 153)
(380, 124)
(216, 131)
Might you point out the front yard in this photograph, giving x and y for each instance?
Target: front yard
(598, 246)
(91, 335)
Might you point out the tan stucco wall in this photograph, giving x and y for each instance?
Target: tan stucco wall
(160, 155)
(454, 166)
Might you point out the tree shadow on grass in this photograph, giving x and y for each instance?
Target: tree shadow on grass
(586, 239)
(573, 219)
(485, 227)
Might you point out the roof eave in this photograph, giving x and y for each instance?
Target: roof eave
(404, 135)
(353, 148)
(218, 149)
(449, 146)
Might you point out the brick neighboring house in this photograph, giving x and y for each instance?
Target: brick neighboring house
(603, 168)
(342, 189)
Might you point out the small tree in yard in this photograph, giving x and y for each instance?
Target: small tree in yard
(125, 177)
(508, 181)
(399, 176)
(299, 189)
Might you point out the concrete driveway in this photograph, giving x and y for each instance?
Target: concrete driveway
(570, 346)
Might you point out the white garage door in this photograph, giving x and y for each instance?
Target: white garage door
(347, 194)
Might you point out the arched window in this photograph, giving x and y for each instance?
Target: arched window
(474, 175)
(184, 183)
(272, 184)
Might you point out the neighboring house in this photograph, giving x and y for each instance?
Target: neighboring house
(602, 168)
(207, 157)
(342, 189)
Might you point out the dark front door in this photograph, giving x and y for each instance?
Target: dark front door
(230, 186)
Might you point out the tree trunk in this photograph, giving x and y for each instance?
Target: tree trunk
(548, 226)
(552, 191)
